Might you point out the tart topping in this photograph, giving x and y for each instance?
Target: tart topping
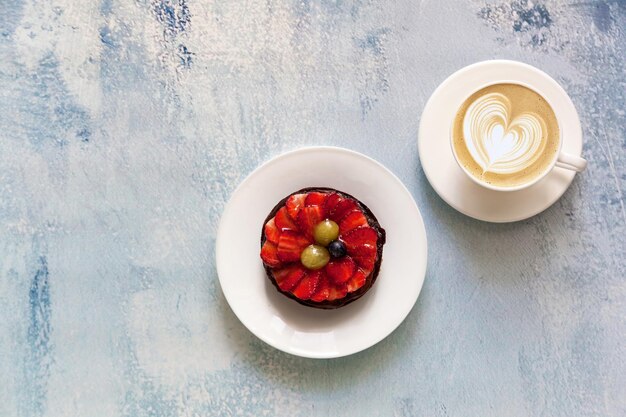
(315, 257)
(269, 254)
(319, 246)
(308, 218)
(352, 221)
(288, 278)
(331, 202)
(290, 246)
(342, 209)
(323, 288)
(359, 238)
(340, 270)
(337, 292)
(294, 204)
(356, 281)
(337, 249)
(283, 221)
(271, 231)
(315, 199)
(326, 231)
(307, 286)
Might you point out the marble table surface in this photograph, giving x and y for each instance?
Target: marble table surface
(125, 125)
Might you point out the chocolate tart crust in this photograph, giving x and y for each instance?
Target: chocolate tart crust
(371, 278)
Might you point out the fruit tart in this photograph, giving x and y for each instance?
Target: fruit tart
(322, 247)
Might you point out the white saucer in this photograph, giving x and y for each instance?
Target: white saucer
(448, 179)
(280, 321)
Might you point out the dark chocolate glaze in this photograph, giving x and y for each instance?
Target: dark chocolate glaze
(371, 278)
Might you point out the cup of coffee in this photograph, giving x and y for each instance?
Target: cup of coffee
(506, 136)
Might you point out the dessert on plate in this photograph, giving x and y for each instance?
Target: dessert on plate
(322, 247)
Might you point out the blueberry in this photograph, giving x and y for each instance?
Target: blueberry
(337, 249)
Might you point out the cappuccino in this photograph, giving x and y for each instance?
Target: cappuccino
(506, 135)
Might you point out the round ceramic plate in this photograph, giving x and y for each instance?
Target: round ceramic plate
(449, 180)
(282, 322)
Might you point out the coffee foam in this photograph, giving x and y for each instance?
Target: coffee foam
(505, 135)
(498, 143)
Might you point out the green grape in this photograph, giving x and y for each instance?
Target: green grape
(314, 257)
(325, 232)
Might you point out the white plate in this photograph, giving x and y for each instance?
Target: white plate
(449, 180)
(282, 322)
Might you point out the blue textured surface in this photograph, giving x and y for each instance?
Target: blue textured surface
(125, 126)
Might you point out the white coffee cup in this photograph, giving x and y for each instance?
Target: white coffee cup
(561, 159)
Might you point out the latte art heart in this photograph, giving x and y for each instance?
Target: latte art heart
(497, 143)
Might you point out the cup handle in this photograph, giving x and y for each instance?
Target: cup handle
(571, 162)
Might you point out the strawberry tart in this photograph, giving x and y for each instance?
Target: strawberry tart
(322, 247)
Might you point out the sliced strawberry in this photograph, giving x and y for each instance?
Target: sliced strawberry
(291, 278)
(283, 221)
(269, 254)
(331, 201)
(315, 199)
(290, 246)
(323, 288)
(342, 209)
(356, 281)
(352, 221)
(271, 231)
(307, 286)
(280, 274)
(366, 263)
(340, 270)
(360, 236)
(364, 250)
(294, 204)
(337, 292)
(308, 218)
